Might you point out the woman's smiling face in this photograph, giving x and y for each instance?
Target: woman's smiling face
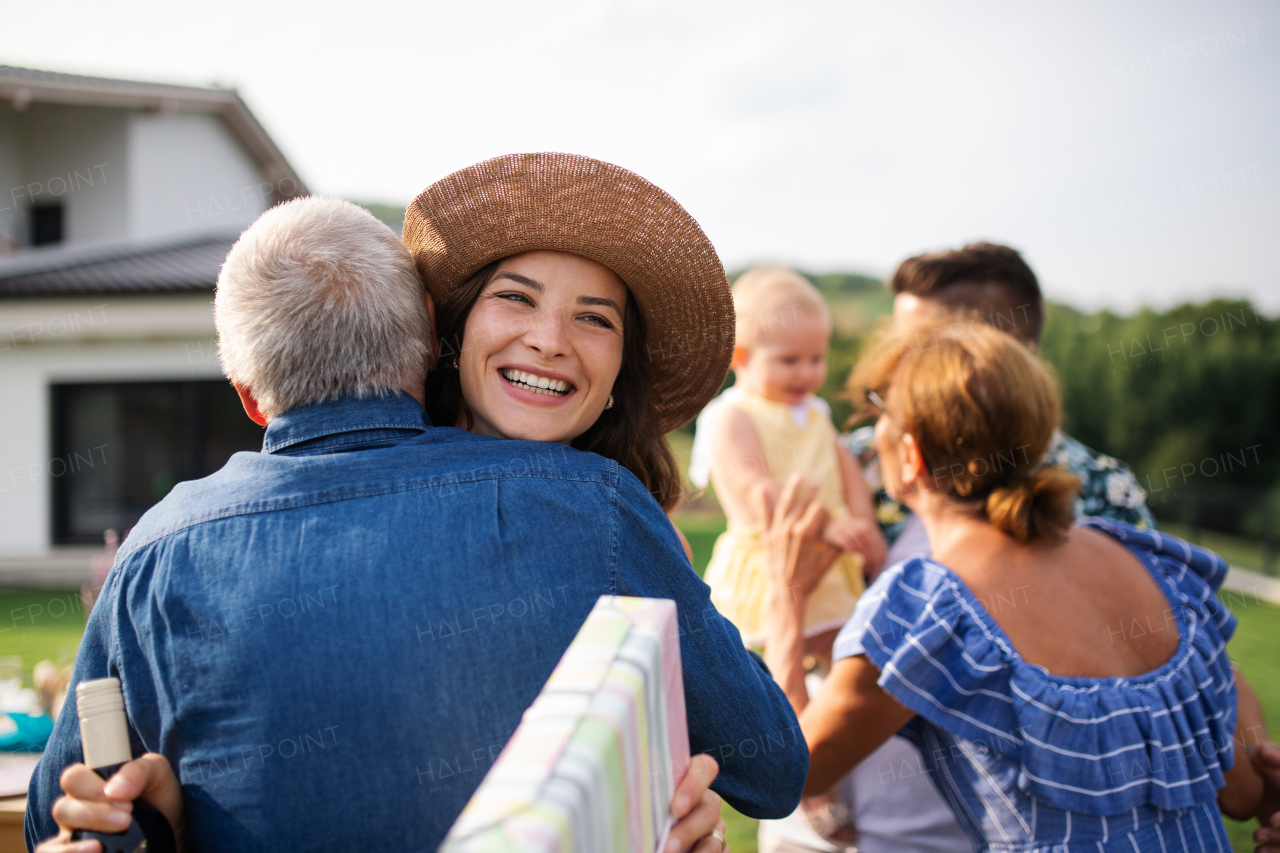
(542, 347)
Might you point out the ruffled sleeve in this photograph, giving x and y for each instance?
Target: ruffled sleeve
(1197, 573)
(935, 655)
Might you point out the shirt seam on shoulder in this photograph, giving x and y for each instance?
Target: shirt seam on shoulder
(335, 496)
(115, 655)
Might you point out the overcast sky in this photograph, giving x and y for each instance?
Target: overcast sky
(1128, 149)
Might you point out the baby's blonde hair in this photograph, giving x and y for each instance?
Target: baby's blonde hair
(768, 298)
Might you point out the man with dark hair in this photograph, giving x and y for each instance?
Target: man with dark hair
(990, 280)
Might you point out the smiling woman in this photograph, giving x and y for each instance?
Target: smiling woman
(539, 325)
(544, 344)
(578, 304)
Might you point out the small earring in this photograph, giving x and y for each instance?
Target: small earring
(609, 405)
(455, 362)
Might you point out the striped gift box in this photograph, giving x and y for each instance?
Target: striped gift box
(597, 757)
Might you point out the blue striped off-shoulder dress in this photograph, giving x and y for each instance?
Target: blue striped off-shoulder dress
(1030, 761)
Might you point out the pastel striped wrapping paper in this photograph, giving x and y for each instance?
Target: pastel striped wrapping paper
(597, 757)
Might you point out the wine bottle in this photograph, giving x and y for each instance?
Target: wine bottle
(104, 738)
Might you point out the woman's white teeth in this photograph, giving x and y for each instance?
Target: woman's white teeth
(537, 384)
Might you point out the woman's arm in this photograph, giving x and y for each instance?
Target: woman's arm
(1266, 760)
(851, 715)
(784, 646)
(847, 721)
(736, 712)
(1241, 795)
(1264, 755)
(1252, 786)
(794, 563)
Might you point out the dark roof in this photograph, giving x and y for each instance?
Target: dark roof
(190, 266)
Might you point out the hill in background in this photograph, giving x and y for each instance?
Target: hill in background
(389, 214)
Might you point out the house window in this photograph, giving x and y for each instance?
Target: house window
(46, 224)
(120, 448)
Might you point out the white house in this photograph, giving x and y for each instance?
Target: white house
(118, 202)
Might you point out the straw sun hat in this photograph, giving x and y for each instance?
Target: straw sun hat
(565, 202)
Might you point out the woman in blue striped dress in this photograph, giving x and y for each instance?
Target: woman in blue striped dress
(1067, 684)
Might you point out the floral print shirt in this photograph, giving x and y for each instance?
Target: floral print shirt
(1107, 487)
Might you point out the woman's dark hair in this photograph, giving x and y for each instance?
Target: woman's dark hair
(628, 433)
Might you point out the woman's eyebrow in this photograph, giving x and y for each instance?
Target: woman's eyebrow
(533, 284)
(599, 300)
(525, 280)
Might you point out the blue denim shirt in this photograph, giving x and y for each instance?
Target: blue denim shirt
(332, 640)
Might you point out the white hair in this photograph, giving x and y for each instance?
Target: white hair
(318, 300)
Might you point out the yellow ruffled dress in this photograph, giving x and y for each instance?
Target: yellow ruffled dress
(794, 439)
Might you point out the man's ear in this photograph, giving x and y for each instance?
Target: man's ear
(250, 405)
(434, 340)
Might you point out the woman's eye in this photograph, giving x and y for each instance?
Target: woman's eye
(512, 296)
(597, 320)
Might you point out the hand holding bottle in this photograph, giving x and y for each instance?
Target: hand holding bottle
(130, 820)
(90, 802)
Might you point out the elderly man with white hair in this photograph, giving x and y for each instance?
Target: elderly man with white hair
(330, 641)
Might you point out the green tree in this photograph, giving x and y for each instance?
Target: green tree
(1189, 397)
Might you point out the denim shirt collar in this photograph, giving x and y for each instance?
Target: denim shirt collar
(345, 424)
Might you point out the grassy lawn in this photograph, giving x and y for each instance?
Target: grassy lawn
(39, 624)
(1238, 551)
(1255, 647)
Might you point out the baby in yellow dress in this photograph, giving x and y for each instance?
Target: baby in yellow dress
(767, 426)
